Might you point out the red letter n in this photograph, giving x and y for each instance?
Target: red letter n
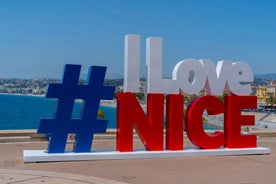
(149, 127)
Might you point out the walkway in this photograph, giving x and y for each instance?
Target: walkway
(26, 176)
(217, 169)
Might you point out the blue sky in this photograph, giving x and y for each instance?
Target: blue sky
(38, 37)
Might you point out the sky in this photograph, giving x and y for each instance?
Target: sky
(38, 37)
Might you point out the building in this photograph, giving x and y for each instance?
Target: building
(271, 89)
(254, 90)
(261, 93)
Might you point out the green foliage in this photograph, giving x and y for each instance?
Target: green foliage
(101, 114)
(271, 100)
(189, 98)
(221, 97)
(140, 96)
(204, 121)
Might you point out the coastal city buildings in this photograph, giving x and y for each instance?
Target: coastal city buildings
(266, 94)
(25, 86)
(260, 92)
(271, 89)
(264, 90)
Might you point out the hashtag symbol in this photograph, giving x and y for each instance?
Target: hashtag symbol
(66, 93)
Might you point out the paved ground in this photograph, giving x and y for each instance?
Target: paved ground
(216, 169)
(35, 177)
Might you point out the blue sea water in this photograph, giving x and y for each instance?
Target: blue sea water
(25, 112)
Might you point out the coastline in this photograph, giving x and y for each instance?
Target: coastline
(20, 94)
(263, 120)
(108, 103)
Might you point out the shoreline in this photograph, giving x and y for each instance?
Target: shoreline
(108, 103)
(20, 94)
(268, 123)
(263, 120)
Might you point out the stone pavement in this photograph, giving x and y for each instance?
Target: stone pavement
(216, 169)
(8, 176)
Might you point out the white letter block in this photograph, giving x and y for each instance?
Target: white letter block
(132, 63)
(190, 75)
(216, 76)
(155, 83)
(241, 73)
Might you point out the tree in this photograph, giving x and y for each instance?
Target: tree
(140, 95)
(221, 97)
(101, 114)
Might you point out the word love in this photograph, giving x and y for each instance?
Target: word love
(190, 75)
(150, 127)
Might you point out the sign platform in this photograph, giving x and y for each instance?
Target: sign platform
(43, 156)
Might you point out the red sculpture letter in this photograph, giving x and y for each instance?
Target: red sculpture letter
(233, 120)
(194, 127)
(149, 128)
(174, 124)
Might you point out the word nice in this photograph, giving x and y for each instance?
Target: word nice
(150, 127)
(189, 75)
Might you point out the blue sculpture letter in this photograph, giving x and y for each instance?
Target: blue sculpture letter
(66, 93)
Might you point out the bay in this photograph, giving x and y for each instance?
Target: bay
(25, 112)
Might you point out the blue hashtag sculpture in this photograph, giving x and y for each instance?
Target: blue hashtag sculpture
(66, 93)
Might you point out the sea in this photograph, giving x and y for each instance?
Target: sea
(25, 112)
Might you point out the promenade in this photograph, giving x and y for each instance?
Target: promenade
(216, 169)
(263, 120)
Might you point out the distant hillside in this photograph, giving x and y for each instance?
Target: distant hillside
(263, 79)
(107, 76)
(117, 79)
(270, 76)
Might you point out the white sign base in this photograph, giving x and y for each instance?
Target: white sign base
(43, 156)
